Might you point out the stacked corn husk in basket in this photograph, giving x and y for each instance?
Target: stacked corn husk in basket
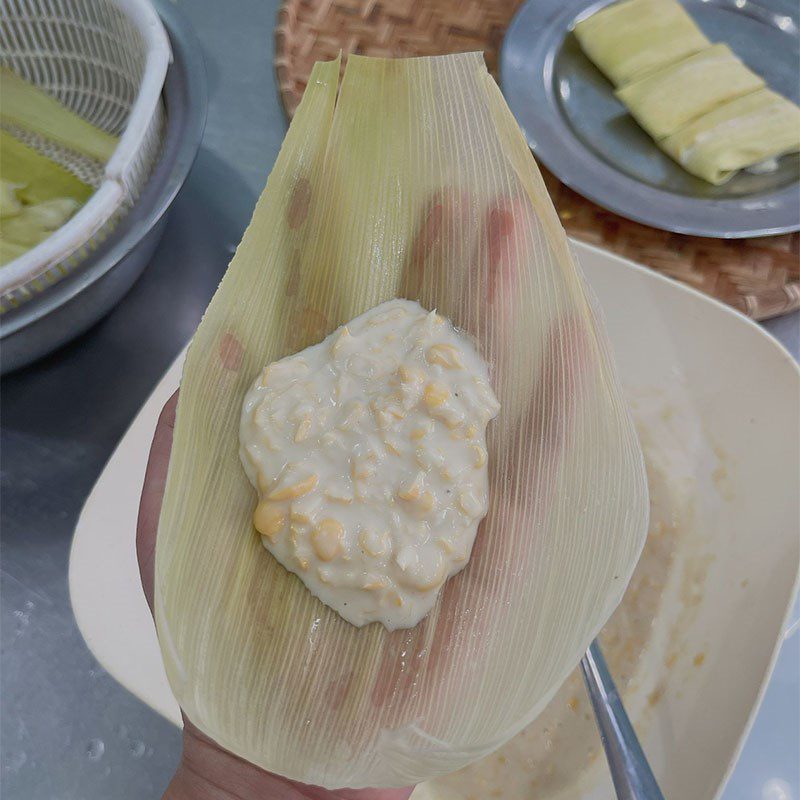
(81, 128)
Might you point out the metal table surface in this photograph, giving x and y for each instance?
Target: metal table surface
(69, 732)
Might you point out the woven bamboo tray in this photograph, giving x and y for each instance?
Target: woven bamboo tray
(759, 277)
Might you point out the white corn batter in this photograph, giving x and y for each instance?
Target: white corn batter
(368, 452)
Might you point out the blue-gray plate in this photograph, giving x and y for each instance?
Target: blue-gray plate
(585, 137)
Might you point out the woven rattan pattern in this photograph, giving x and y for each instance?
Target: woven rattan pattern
(760, 277)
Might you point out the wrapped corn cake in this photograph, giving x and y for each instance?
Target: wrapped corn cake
(702, 106)
(666, 100)
(628, 40)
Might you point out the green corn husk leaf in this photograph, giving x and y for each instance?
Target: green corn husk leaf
(9, 251)
(36, 222)
(666, 100)
(27, 106)
(736, 135)
(35, 176)
(413, 181)
(38, 197)
(628, 40)
(10, 204)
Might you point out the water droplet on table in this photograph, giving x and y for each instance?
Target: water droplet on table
(95, 749)
(14, 761)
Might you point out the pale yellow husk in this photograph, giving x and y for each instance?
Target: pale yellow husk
(28, 107)
(736, 135)
(37, 196)
(630, 39)
(255, 660)
(666, 100)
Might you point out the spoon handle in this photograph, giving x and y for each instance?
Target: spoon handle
(630, 771)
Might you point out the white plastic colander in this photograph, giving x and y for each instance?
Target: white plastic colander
(107, 61)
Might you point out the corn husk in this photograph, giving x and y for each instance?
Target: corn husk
(401, 185)
(628, 40)
(25, 106)
(10, 204)
(10, 250)
(35, 223)
(34, 177)
(38, 197)
(746, 131)
(668, 99)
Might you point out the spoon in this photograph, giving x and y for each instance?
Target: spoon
(630, 770)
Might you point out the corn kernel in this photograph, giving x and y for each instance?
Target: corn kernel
(426, 502)
(394, 598)
(301, 434)
(480, 455)
(341, 341)
(418, 433)
(297, 516)
(354, 414)
(327, 539)
(361, 468)
(413, 490)
(269, 519)
(445, 355)
(436, 394)
(446, 545)
(450, 417)
(374, 544)
(416, 579)
(339, 496)
(410, 375)
(294, 490)
(469, 504)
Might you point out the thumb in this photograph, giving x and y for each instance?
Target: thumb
(152, 495)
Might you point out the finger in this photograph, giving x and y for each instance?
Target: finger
(230, 353)
(543, 435)
(494, 574)
(427, 263)
(402, 660)
(543, 426)
(491, 275)
(563, 376)
(428, 232)
(444, 223)
(501, 253)
(152, 495)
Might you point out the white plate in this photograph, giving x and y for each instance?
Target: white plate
(737, 392)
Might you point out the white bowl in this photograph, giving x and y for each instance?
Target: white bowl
(719, 399)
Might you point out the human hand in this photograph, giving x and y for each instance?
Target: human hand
(481, 296)
(207, 771)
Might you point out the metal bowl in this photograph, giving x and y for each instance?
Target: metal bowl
(75, 303)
